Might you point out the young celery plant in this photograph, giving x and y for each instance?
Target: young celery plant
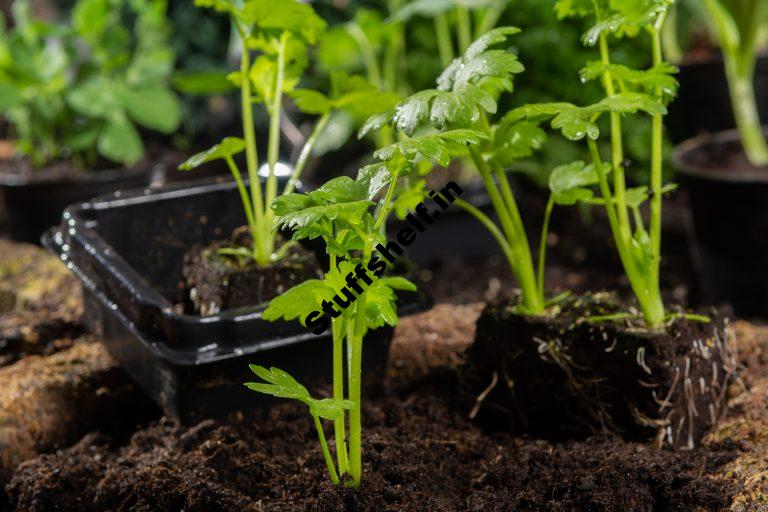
(738, 26)
(628, 91)
(466, 95)
(346, 214)
(279, 31)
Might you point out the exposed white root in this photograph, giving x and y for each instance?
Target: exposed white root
(640, 358)
(482, 396)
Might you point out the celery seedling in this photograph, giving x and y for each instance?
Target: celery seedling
(279, 31)
(346, 214)
(738, 25)
(466, 95)
(627, 91)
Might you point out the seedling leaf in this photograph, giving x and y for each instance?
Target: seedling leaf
(298, 302)
(313, 214)
(227, 148)
(311, 102)
(279, 15)
(439, 147)
(278, 383)
(330, 408)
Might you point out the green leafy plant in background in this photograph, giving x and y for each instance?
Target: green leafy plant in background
(627, 91)
(557, 79)
(388, 46)
(350, 216)
(738, 26)
(465, 97)
(279, 33)
(78, 89)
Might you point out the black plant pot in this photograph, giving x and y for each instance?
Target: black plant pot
(703, 103)
(128, 253)
(33, 203)
(456, 234)
(729, 206)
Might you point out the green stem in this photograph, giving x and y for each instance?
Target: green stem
(741, 87)
(617, 148)
(511, 224)
(657, 158)
(252, 160)
(326, 452)
(490, 18)
(525, 261)
(367, 53)
(444, 44)
(243, 193)
(514, 212)
(339, 425)
(491, 227)
(355, 393)
(384, 211)
(394, 70)
(273, 148)
(306, 152)
(649, 304)
(671, 38)
(392, 62)
(355, 350)
(543, 246)
(464, 28)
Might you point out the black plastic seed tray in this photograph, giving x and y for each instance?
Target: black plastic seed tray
(127, 250)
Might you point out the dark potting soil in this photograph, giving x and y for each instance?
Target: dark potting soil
(217, 282)
(727, 157)
(54, 171)
(420, 454)
(666, 385)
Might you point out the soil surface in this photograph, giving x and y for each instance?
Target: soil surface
(421, 451)
(217, 281)
(421, 454)
(54, 171)
(728, 159)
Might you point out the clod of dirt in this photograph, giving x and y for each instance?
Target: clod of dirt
(40, 303)
(443, 343)
(30, 278)
(47, 402)
(564, 376)
(217, 282)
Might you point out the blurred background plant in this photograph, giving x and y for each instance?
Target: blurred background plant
(403, 46)
(81, 88)
(399, 45)
(740, 27)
